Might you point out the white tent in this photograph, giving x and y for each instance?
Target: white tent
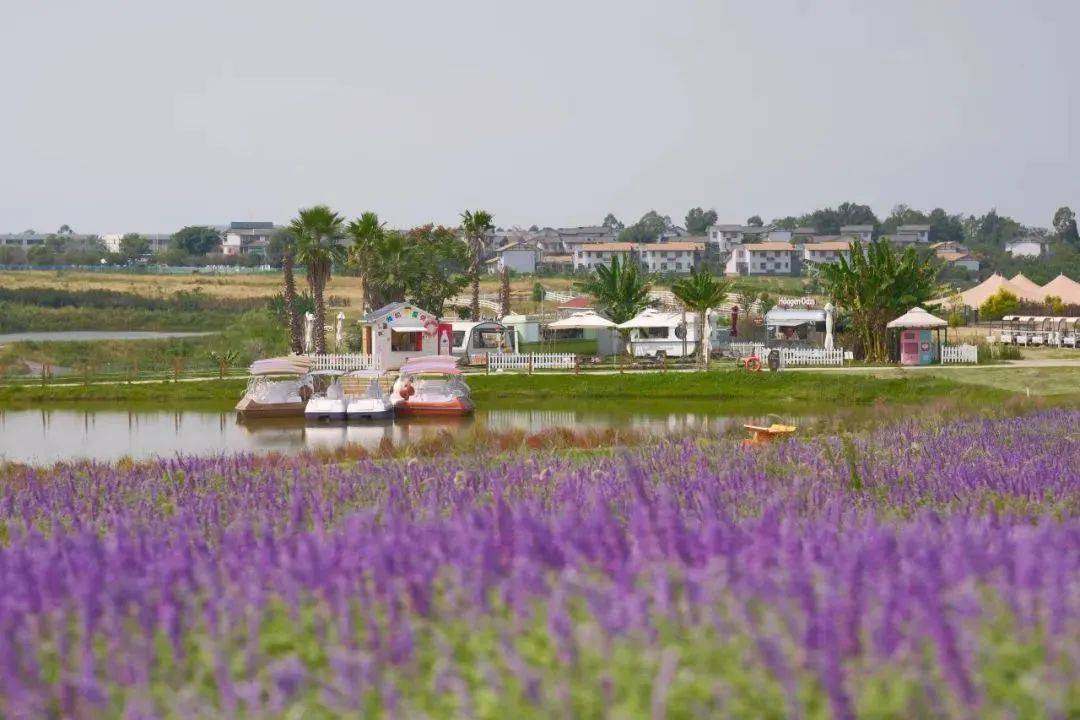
(606, 343)
(917, 318)
(584, 320)
(1065, 288)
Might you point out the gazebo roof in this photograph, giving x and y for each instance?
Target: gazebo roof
(916, 317)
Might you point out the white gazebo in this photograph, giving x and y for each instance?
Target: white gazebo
(591, 320)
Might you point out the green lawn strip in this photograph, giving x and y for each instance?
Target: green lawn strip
(727, 386)
(212, 394)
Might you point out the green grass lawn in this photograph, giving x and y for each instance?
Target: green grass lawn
(720, 386)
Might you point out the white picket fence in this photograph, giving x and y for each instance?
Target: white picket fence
(346, 362)
(534, 361)
(807, 357)
(795, 357)
(742, 350)
(557, 296)
(959, 354)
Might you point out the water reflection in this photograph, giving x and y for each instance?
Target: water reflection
(45, 436)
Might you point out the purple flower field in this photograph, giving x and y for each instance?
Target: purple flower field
(919, 570)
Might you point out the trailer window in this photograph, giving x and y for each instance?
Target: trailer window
(653, 333)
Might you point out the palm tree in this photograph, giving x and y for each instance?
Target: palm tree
(286, 241)
(620, 289)
(476, 224)
(876, 286)
(317, 231)
(365, 232)
(391, 260)
(700, 293)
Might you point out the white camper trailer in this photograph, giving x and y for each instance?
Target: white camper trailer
(659, 333)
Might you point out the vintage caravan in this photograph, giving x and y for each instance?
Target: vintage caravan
(660, 333)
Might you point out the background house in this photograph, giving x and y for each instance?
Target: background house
(1030, 246)
(247, 238)
(670, 257)
(911, 235)
(767, 258)
(865, 233)
(519, 256)
(589, 256)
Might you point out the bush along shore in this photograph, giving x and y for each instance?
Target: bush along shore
(915, 571)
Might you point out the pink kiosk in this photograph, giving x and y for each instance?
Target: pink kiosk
(920, 339)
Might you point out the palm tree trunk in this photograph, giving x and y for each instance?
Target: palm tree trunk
(474, 304)
(702, 340)
(363, 292)
(296, 331)
(320, 317)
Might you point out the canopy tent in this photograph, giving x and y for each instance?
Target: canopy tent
(1023, 282)
(1065, 288)
(917, 318)
(584, 320)
(606, 342)
(979, 294)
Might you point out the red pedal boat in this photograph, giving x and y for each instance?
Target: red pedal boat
(431, 385)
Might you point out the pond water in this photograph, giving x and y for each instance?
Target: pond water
(46, 436)
(92, 335)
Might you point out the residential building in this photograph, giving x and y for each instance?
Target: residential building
(825, 252)
(556, 263)
(519, 256)
(722, 238)
(30, 239)
(911, 235)
(158, 241)
(803, 234)
(865, 233)
(1030, 246)
(572, 237)
(589, 256)
(767, 258)
(948, 246)
(671, 257)
(960, 259)
(247, 238)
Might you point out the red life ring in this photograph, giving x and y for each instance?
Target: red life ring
(407, 391)
(752, 364)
